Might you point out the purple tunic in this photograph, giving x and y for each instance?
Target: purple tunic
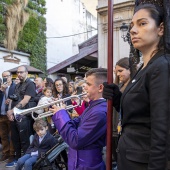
(85, 135)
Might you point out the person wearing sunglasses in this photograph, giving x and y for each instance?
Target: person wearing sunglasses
(23, 98)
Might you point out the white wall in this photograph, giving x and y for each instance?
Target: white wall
(91, 6)
(123, 11)
(103, 3)
(58, 25)
(66, 17)
(120, 1)
(24, 60)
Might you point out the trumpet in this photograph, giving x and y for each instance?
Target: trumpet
(18, 113)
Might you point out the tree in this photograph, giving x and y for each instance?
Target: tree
(23, 27)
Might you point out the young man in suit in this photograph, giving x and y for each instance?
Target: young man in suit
(85, 135)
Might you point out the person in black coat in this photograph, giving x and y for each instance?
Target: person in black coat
(42, 142)
(144, 140)
(6, 90)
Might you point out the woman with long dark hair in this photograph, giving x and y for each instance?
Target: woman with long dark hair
(145, 140)
(60, 88)
(122, 73)
(60, 91)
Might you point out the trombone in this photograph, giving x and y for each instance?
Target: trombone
(18, 113)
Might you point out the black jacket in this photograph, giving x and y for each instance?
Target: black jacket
(38, 97)
(10, 92)
(47, 143)
(25, 88)
(11, 89)
(145, 116)
(1, 99)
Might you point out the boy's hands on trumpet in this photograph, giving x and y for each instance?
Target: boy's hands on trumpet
(57, 107)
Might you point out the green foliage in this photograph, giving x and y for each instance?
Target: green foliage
(2, 37)
(32, 39)
(7, 1)
(2, 27)
(38, 6)
(41, 2)
(32, 5)
(42, 11)
(2, 23)
(1, 19)
(2, 32)
(1, 8)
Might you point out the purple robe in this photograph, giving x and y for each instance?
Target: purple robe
(85, 135)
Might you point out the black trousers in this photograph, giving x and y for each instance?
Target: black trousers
(114, 148)
(123, 162)
(20, 134)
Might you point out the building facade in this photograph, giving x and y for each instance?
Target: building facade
(12, 59)
(123, 11)
(68, 24)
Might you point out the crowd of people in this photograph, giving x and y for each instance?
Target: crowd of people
(144, 140)
(24, 93)
(141, 99)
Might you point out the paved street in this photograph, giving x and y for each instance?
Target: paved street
(2, 165)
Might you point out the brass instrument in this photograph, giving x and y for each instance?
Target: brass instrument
(18, 113)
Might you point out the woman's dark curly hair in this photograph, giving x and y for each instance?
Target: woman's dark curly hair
(65, 88)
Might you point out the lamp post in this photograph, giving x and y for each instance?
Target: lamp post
(134, 55)
(124, 28)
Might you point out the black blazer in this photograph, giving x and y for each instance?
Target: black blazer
(145, 114)
(47, 143)
(11, 89)
(1, 99)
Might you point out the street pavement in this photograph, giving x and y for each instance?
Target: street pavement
(2, 165)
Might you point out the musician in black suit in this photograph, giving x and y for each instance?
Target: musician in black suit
(144, 140)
